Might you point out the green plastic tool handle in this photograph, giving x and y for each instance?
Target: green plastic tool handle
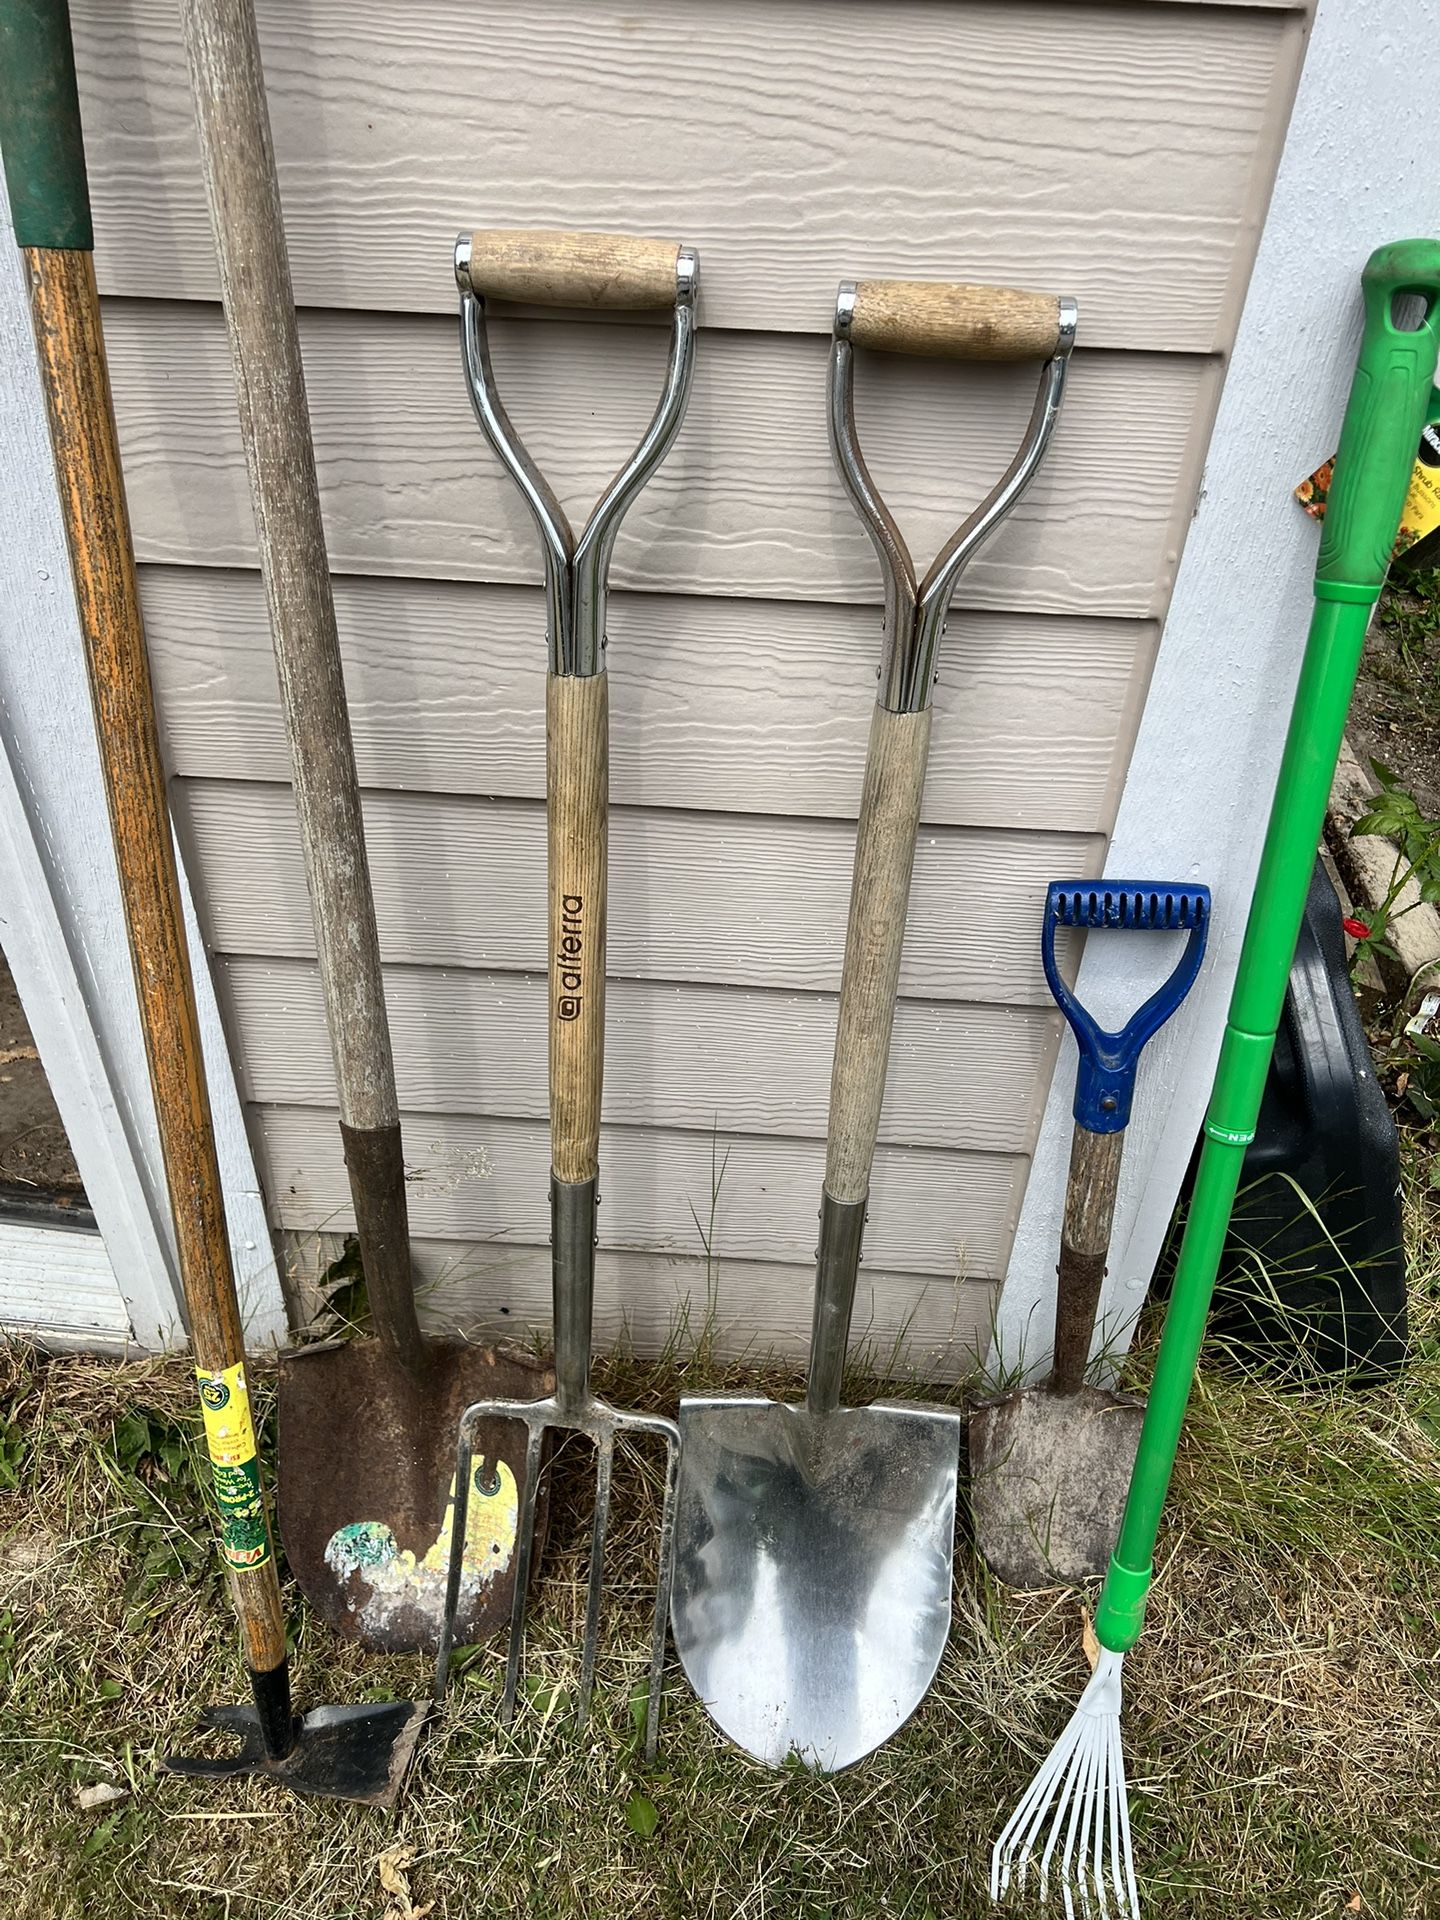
(1387, 408)
(40, 126)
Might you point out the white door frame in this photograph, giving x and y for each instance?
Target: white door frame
(1356, 171)
(63, 935)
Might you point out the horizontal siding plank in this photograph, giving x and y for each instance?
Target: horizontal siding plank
(747, 503)
(1101, 150)
(714, 897)
(724, 704)
(471, 1178)
(652, 1303)
(675, 1056)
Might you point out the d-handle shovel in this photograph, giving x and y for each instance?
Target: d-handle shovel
(575, 270)
(356, 1752)
(814, 1543)
(1050, 1465)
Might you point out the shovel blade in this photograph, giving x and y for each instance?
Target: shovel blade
(1049, 1475)
(365, 1471)
(813, 1569)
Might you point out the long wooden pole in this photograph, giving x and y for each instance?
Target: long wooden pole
(45, 171)
(238, 160)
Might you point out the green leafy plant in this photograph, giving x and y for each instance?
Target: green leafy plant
(1410, 614)
(1398, 817)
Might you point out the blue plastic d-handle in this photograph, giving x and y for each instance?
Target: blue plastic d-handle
(1105, 1082)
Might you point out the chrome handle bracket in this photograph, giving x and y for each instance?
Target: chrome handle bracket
(576, 570)
(915, 615)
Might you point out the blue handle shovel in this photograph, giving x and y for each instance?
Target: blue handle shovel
(1050, 1466)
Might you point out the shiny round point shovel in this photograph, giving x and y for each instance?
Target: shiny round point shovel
(814, 1544)
(598, 271)
(1050, 1465)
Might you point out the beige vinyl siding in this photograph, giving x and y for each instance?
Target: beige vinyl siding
(746, 504)
(682, 1055)
(748, 899)
(1120, 152)
(1106, 148)
(723, 704)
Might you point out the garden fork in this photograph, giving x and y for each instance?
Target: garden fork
(592, 270)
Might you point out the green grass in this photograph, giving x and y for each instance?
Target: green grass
(1282, 1720)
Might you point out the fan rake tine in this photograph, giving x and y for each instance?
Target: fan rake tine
(605, 1448)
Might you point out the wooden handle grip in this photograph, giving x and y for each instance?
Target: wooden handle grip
(955, 322)
(577, 777)
(573, 269)
(1084, 1246)
(879, 896)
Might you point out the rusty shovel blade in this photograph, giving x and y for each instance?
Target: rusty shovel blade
(366, 1479)
(1049, 1475)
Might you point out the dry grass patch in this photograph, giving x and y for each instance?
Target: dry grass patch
(1282, 1724)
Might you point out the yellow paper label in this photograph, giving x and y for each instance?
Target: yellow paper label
(225, 1405)
(230, 1441)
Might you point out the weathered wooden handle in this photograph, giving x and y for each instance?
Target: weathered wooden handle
(76, 381)
(577, 755)
(955, 322)
(573, 269)
(879, 896)
(1084, 1244)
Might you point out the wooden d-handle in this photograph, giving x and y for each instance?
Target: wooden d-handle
(546, 269)
(955, 322)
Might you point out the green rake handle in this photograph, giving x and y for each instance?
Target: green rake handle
(1387, 409)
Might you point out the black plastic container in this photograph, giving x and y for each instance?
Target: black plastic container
(1319, 1272)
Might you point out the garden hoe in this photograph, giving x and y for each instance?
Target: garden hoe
(814, 1544)
(1050, 1466)
(366, 1425)
(573, 270)
(1074, 1820)
(349, 1752)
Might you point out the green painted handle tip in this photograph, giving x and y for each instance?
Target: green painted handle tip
(40, 126)
(1388, 406)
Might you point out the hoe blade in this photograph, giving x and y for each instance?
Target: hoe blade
(813, 1570)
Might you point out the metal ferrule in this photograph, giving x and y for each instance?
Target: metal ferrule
(837, 1266)
(572, 1268)
(273, 1712)
(576, 570)
(915, 617)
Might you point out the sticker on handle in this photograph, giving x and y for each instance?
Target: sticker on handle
(230, 1442)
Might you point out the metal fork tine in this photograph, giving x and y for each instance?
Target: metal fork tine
(590, 1646)
(524, 1551)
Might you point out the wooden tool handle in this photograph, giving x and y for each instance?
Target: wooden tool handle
(879, 896)
(238, 162)
(577, 774)
(71, 347)
(573, 269)
(1084, 1243)
(955, 322)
